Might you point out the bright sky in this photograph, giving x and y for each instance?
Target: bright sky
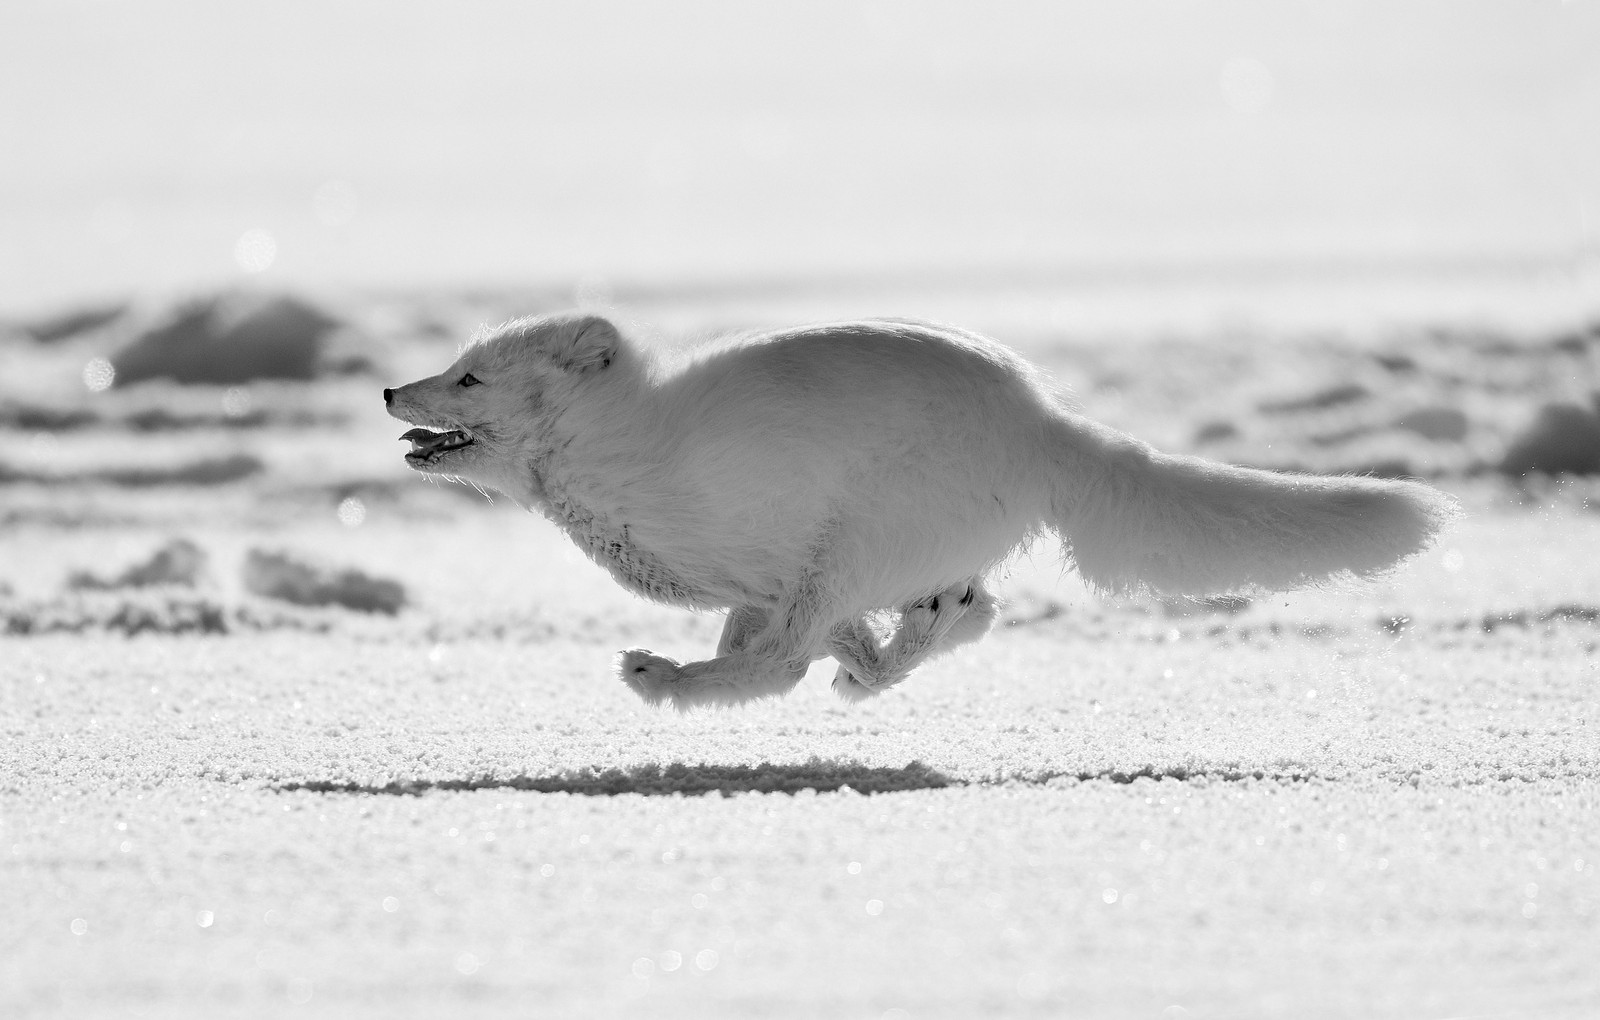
(178, 143)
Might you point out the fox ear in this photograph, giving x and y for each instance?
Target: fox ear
(586, 343)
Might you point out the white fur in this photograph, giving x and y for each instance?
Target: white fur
(804, 478)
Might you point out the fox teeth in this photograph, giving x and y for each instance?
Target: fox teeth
(426, 441)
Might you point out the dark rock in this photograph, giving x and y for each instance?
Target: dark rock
(275, 575)
(1578, 342)
(1440, 424)
(1215, 432)
(71, 324)
(207, 471)
(179, 562)
(35, 418)
(1396, 363)
(1333, 396)
(230, 339)
(1562, 439)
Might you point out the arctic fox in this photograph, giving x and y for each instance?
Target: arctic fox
(804, 478)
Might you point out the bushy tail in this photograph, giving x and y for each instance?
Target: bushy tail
(1134, 519)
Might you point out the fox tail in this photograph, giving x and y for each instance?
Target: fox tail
(1135, 519)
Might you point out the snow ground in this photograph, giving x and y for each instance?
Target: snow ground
(1102, 811)
(1377, 803)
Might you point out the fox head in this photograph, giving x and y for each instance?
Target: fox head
(489, 416)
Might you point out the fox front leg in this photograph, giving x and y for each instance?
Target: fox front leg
(651, 676)
(762, 653)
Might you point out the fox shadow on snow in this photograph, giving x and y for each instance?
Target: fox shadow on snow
(653, 779)
(823, 776)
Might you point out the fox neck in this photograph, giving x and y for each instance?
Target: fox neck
(595, 479)
(600, 461)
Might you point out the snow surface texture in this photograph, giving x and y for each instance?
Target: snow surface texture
(1101, 811)
(1381, 802)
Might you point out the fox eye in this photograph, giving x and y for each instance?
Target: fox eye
(468, 380)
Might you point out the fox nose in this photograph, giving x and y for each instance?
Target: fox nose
(388, 395)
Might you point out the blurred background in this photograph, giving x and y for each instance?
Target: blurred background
(1424, 155)
(1361, 236)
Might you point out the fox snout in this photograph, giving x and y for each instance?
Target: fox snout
(407, 402)
(390, 394)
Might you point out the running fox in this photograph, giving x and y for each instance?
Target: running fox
(803, 478)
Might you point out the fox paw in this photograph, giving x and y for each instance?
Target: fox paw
(979, 610)
(929, 621)
(846, 686)
(647, 674)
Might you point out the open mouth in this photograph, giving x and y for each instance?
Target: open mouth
(428, 445)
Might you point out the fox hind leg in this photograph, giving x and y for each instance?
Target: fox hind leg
(960, 614)
(982, 609)
(856, 647)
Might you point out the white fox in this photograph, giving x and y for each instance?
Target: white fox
(804, 478)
